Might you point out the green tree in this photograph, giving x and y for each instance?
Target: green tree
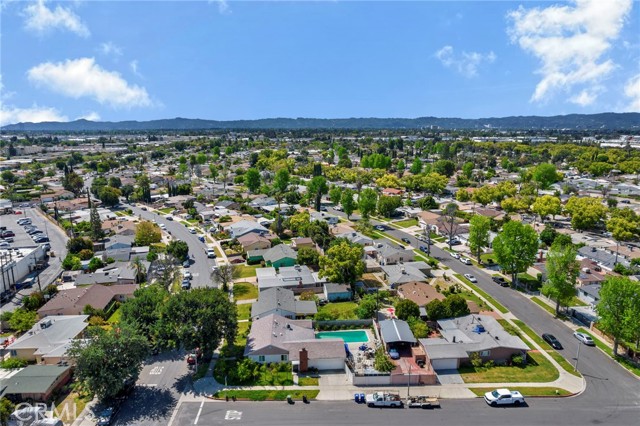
(467, 169)
(143, 311)
(382, 362)
(416, 166)
(546, 205)
(418, 327)
(73, 182)
(445, 167)
(316, 189)
(434, 183)
(252, 180)
(463, 195)
(95, 224)
(436, 310)
(455, 306)
(127, 190)
(105, 359)
(367, 202)
(622, 229)
(387, 205)
(585, 212)
(147, 233)
(514, 204)
(562, 272)
(115, 182)
(548, 235)
(6, 409)
(224, 275)
(347, 202)
(308, 256)
(335, 193)
(406, 308)
(343, 263)
(143, 192)
(545, 175)
(479, 227)
(367, 307)
(178, 249)
(484, 195)
(71, 262)
(77, 244)
(22, 320)
(199, 318)
(280, 185)
(109, 196)
(515, 248)
(619, 308)
(95, 263)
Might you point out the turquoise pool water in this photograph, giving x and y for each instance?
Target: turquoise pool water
(349, 336)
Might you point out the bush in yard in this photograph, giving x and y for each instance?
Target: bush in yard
(517, 360)
(85, 254)
(382, 362)
(13, 363)
(475, 360)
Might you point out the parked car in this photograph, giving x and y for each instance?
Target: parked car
(163, 226)
(406, 240)
(466, 260)
(424, 249)
(454, 242)
(211, 253)
(187, 275)
(500, 281)
(192, 230)
(186, 263)
(43, 239)
(168, 217)
(380, 228)
(7, 233)
(337, 208)
(584, 338)
(471, 278)
(394, 354)
(186, 284)
(143, 208)
(503, 397)
(551, 339)
(455, 255)
(4, 245)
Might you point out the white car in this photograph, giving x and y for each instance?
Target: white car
(211, 253)
(584, 338)
(192, 230)
(455, 255)
(471, 278)
(503, 397)
(380, 228)
(163, 226)
(465, 260)
(187, 275)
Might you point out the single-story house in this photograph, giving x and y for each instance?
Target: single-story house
(73, 301)
(48, 340)
(325, 217)
(590, 293)
(603, 258)
(462, 336)
(281, 301)
(427, 219)
(244, 227)
(254, 242)
(387, 254)
(418, 292)
(299, 242)
(298, 278)
(275, 338)
(396, 333)
(392, 192)
(280, 255)
(337, 292)
(406, 272)
(356, 238)
(35, 382)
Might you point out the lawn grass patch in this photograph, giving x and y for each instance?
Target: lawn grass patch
(217, 251)
(266, 395)
(308, 381)
(245, 291)
(545, 306)
(244, 311)
(247, 271)
(537, 370)
(488, 258)
(407, 223)
(70, 404)
(340, 310)
(115, 317)
(527, 391)
(609, 351)
(472, 297)
(166, 210)
(477, 289)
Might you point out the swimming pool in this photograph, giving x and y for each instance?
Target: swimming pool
(349, 336)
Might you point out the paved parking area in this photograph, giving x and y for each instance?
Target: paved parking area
(449, 377)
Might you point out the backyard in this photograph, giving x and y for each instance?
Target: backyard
(339, 311)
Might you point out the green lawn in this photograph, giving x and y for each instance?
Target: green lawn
(537, 370)
(529, 281)
(340, 310)
(488, 298)
(217, 250)
(244, 311)
(67, 400)
(473, 298)
(545, 306)
(527, 391)
(609, 351)
(115, 317)
(544, 345)
(166, 210)
(308, 381)
(247, 271)
(407, 223)
(266, 395)
(245, 291)
(488, 258)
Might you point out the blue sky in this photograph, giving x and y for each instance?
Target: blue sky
(121, 60)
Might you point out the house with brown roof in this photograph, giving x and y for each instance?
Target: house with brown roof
(428, 219)
(392, 192)
(253, 241)
(73, 301)
(418, 292)
(296, 243)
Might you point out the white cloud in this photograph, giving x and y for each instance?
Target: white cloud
(110, 49)
(570, 42)
(632, 90)
(91, 116)
(223, 6)
(466, 63)
(35, 114)
(82, 77)
(134, 68)
(39, 18)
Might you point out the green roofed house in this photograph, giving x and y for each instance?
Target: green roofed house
(277, 257)
(35, 382)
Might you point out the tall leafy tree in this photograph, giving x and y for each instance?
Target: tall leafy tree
(623, 228)
(416, 166)
(96, 224)
(619, 309)
(107, 358)
(343, 263)
(316, 189)
(367, 202)
(224, 275)
(585, 212)
(562, 272)
(515, 248)
(546, 205)
(406, 309)
(387, 205)
(147, 233)
(545, 175)
(347, 202)
(479, 234)
(252, 180)
(449, 221)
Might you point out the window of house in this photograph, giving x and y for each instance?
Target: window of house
(484, 353)
(284, 357)
(260, 358)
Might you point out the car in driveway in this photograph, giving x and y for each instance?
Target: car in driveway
(500, 281)
(471, 278)
(584, 338)
(455, 255)
(551, 340)
(394, 354)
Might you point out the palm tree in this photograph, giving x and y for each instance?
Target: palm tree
(139, 267)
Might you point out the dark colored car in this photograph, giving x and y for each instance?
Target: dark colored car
(551, 339)
(424, 249)
(186, 263)
(406, 240)
(7, 233)
(501, 281)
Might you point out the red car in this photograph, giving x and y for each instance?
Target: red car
(17, 212)
(194, 356)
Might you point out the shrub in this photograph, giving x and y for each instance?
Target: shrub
(517, 360)
(13, 363)
(475, 359)
(382, 362)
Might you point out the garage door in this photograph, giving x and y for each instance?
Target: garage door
(327, 364)
(444, 364)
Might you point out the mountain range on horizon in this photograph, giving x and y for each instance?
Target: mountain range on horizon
(604, 121)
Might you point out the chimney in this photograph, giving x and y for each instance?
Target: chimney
(304, 360)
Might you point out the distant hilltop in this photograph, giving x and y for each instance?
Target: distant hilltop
(604, 121)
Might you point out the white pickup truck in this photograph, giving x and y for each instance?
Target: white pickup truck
(503, 397)
(383, 399)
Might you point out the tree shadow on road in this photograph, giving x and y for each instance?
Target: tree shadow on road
(147, 404)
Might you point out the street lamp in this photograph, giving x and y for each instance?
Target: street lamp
(575, 367)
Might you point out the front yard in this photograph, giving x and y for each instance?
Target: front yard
(247, 271)
(537, 370)
(245, 291)
(244, 311)
(266, 395)
(407, 223)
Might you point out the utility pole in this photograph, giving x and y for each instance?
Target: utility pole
(575, 368)
(409, 383)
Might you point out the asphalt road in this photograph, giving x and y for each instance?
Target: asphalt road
(566, 412)
(609, 386)
(201, 265)
(57, 238)
(162, 379)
